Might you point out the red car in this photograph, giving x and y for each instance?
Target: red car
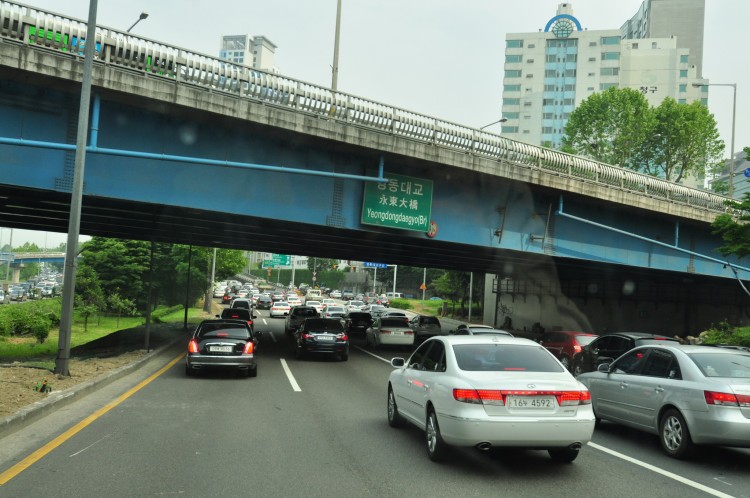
(566, 345)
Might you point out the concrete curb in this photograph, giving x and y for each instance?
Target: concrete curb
(39, 409)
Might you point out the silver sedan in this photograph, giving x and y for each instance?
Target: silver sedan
(688, 395)
(490, 391)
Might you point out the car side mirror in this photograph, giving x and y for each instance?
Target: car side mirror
(603, 368)
(255, 316)
(398, 362)
(217, 316)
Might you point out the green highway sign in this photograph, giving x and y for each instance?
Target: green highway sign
(404, 202)
(277, 260)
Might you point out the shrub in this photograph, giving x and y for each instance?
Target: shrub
(723, 334)
(163, 311)
(401, 304)
(39, 326)
(5, 326)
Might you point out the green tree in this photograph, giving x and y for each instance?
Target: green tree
(683, 141)
(120, 265)
(121, 306)
(610, 126)
(321, 264)
(735, 232)
(88, 295)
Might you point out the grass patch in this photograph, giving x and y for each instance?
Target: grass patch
(26, 347)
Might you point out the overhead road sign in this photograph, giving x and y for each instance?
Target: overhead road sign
(404, 202)
(277, 260)
(375, 265)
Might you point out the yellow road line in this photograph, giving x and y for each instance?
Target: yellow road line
(47, 448)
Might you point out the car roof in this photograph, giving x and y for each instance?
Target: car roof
(694, 348)
(488, 339)
(635, 335)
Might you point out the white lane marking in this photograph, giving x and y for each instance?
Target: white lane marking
(289, 375)
(89, 446)
(265, 322)
(373, 355)
(663, 472)
(273, 337)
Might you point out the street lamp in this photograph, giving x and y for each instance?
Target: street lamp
(143, 16)
(335, 72)
(734, 115)
(502, 120)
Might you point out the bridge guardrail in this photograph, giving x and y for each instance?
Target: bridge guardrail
(53, 31)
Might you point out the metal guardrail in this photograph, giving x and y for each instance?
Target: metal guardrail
(53, 31)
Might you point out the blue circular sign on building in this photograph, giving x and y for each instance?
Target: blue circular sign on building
(747, 172)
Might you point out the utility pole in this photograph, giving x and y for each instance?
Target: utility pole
(335, 75)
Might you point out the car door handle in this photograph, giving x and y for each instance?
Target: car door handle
(409, 381)
(623, 385)
(659, 389)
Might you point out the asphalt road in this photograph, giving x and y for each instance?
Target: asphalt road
(222, 435)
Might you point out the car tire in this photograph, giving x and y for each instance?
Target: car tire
(189, 371)
(565, 362)
(252, 372)
(298, 354)
(563, 455)
(436, 447)
(674, 434)
(395, 419)
(577, 368)
(344, 356)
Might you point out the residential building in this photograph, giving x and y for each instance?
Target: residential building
(549, 72)
(254, 51)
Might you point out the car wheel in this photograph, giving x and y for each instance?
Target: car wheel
(344, 356)
(298, 353)
(436, 447)
(674, 434)
(565, 362)
(564, 455)
(189, 371)
(394, 417)
(252, 372)
(577, 369)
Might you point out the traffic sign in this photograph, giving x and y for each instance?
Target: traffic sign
(374, 265)
(277, 260)
(747, 172)
(403, 202)
(423, 287)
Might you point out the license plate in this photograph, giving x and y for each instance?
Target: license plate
(531, 402)
(221, 349)
(324, 338)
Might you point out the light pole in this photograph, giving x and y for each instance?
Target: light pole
(335, 75)
(734, 116)
(143, 16)
(501, 120)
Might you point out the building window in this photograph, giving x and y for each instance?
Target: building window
(514, 43)
(569, 88)
(548, 115)
(604, 86)
(550, 58)
(526, 131)
(508, 101)
(592, 44)
(610, 56)
(550, 73)
(683, 73)
(682, 101)
(653, 45)
(634, 46)
(683, 59)
(547, 129)
(704, 101)
(592, 74)
(550, 88)
(610, 40)
(512, 58)
(509, 129)
(609, 71)
(512, 73)
(512, 88)
(571, 58)
(529, 75)
(592, 59)
(529, 61)
(567, 101)
(548, 102)
(590, 89)
(527, 103)
(570, 73)
(511, 115)
(531, 45)
(683, 88)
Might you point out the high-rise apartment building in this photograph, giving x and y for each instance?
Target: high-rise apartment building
(549, 72)
(253, 51)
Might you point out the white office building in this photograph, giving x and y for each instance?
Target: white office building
(254, 51)
(550, 71)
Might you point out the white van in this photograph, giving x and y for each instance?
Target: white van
(393, 295)
(313, 294)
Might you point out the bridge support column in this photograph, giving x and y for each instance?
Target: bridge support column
(16, 274)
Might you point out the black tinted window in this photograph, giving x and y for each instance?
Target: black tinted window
(393, 322)
(430, 320)
(434, 361)
(317, 324)
(236, 314)
(305, 312)
(658, 364)
(222, 330)
(630, 362)
(504, 357)
(415, 361)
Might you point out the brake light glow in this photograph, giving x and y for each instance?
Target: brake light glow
(342, 337)
(306, 335)
(498, 397)
(385, 331)
(577, 348)
(727, 399)
(249, 348)
(193, 346)
(408, 332)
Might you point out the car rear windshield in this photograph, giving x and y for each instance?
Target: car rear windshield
(321, 325)
(394, 322)
(733, 366)
(504, 358)
(236, 313)
(305, 312)
(430, 320)
(223, 330)
(359, 316)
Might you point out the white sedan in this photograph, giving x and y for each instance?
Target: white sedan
(294, 300)
(488, 392)
(354, 305)
(390, 332)
(315, 304)
(280, 308)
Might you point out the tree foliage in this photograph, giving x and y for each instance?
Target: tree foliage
(735, 232)
(670, 141)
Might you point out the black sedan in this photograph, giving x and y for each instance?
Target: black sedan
(226, 344)
(264, 303)
(321, 335)
(358, 321)
(607, 348)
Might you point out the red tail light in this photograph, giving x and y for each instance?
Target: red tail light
(342, 337)
(193, 346)
(250, 322)
(305, 335)
(727, 399)
(249, 348)
(408, 332)
(497, 397)
(384, 331)
(577, 348)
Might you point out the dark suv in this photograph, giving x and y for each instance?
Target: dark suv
(238, 314)
(607, 348)
(321, 335)
(297, 315)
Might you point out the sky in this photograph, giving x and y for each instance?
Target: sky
(442, 58)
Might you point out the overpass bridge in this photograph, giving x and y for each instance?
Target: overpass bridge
(188, 148)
